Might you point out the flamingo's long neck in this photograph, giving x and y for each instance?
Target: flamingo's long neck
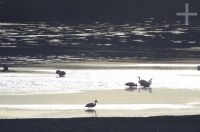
(150, 81)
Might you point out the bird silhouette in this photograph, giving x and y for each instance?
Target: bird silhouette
(5, 68)
(60, 73)
(91, 105)
(198, 68)
(131, 85)
(144, 83)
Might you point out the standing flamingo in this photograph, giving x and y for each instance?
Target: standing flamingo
(91, 105)
(145, 83)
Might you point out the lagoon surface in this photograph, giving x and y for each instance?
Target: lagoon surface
(98, 59)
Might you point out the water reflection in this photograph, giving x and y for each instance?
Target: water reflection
(145, 89)
(131, 89)
(91, 112)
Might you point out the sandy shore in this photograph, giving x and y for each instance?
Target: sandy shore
(112, 103)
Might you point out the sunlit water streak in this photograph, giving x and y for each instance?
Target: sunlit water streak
(100, 41)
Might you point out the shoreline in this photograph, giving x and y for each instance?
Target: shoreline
(111, 65)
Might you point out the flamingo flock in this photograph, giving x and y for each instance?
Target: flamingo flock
(143, 83)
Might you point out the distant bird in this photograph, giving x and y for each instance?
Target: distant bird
(91, 105)
(5, 68)
(131, 85)
(198, 68)
(60, 73)
(145, 83)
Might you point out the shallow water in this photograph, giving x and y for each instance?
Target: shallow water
(45, 81)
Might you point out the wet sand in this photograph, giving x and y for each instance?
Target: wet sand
(119, 96)
(176, 102)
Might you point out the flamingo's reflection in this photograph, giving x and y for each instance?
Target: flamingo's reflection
(92, 112)
(146, 89)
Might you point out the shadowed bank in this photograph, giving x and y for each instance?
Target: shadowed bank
(150, 124)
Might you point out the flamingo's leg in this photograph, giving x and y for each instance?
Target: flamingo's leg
(150, 90)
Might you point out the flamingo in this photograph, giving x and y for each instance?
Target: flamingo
(131, 85)
(145, 83)
(5, 68)
(60, 73)
(198, 68)
(91, 105)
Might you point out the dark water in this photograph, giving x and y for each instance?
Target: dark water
(144, 41)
